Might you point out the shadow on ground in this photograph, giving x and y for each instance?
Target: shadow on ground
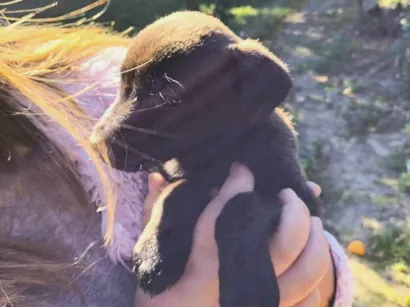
(353, 118)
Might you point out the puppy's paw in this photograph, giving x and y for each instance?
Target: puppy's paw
(246, 275)
(163, 249)
(158, 267)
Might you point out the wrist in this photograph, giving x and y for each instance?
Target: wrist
(189, 291)
(343, 293)
(327, 285)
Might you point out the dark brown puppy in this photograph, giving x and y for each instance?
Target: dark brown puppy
(195, 93)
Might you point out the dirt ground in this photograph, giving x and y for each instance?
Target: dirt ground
(351, 115)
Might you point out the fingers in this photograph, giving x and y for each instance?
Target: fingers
(312, 300)
(315, 188)
(205, 252)
(155, 184)
(308, 269)
(295, 212)
(326, 287)
(240, 180)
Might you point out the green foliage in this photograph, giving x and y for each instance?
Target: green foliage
(404, 182)
(138, 13)
(391, 245)
(364, 118)
(313, 164)
(332, 55)
(396, 161)
(123, 13)
(402, 56)
(242, 13)
(406, 129)
(265, 22)
(393, 3)
(399, 162)
(314, 161)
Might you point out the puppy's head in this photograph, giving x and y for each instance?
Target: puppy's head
(187, 80)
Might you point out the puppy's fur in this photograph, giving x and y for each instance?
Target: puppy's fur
(196, 94)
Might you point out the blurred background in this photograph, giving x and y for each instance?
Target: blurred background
(350, 60)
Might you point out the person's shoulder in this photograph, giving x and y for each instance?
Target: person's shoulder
(344, 280)
(96, 79)
(105, 63)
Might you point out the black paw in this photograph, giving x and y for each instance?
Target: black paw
(161, 253)
(159, 266)
(246, 274)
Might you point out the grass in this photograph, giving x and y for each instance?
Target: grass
(393, 3)
(399, 163)
(363, 117)
(406, 129)
(263, 22)
(388, 255)
(372, 289)
(314, 162)
(404, 183)
(397, 160)
(390, 245)
(330, 56)
(389, 199)
(272, 18)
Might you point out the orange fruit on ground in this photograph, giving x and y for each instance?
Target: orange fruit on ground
(357, 248)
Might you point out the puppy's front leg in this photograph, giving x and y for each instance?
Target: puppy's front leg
(162, 251)
(246, 274)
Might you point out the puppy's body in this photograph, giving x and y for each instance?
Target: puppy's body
(207, 96)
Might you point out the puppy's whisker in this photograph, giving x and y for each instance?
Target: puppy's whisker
(169, 79)
(148, 109)
(170, 88)
(126, 154)
(136, 67)
(151, 132)
(141, 154)
(163, 99)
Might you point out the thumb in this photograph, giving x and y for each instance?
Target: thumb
(155, 185)
(240, 180)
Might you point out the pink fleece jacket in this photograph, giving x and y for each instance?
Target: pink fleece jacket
(103, 70)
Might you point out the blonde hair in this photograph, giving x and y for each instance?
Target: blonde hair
(31, 52)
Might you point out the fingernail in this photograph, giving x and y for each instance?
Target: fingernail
(150, 179)
(214, 192)
(285, 196)
(234, 168)
(155, 180)
(315, 188)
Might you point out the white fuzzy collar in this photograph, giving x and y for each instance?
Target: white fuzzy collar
(131, 188)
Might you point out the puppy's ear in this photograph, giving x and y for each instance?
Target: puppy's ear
(261, 77)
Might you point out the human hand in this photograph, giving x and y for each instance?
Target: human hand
(303, 268)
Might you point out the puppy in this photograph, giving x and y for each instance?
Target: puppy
(195, 98)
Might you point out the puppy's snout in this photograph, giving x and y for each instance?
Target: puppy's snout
(99, 134)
